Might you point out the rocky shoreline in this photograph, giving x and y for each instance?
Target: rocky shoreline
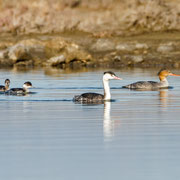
(80, 34)
(78, 51)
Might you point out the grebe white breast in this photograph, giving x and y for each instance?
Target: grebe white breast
(151, 84)
(20, 91)
(95, 97)
(6, 87)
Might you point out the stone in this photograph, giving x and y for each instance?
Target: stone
(26, 50)
(3, 54)
(165, 48)
(103, 45)
(117, 58)
(6, 63)
(125, 47)
(17, 52)
(141, 46)
(74, 53)
(56, 60)
(134, 58)
(137, 58)
(25, 64)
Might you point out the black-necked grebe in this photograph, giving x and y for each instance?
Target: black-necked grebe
(151, 84)
(95, 97)
(19, 91)
(6, 87)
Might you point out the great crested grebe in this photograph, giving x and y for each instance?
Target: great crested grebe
(151, 84)
(6, 87)
(95, 97)
(20, 91)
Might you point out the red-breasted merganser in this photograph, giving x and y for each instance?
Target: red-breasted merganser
(95, 97)
(20, 91)
(151, 84)
(6, 87)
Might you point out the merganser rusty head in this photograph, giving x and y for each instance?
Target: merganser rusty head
(164, 73)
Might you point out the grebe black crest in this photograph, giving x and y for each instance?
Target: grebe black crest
(110, 72)
(28, 84)
(163, 73)
(6, 87)
(95, 97)
(21, 91)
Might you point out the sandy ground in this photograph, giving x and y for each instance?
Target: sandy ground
(99, 17)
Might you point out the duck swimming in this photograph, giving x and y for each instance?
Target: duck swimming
(20, 91)
(95, 97)
(6, 87)
(151, 84)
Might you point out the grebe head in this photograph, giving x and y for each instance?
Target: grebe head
(27, 85)
(110, 75)
(7, 82)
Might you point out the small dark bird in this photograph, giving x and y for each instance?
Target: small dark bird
(6, 87)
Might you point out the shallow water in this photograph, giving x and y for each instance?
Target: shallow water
(45, 136)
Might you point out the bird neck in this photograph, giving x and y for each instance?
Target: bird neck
(163, 80)
(25, 89)
(107, 94)
(6, 86)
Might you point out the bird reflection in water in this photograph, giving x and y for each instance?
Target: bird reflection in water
(108, 124)
(163, 94)
(163, 97)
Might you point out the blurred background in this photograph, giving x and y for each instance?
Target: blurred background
(95, 16)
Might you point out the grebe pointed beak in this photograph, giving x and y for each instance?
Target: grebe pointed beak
(115, 77)
(171, 74)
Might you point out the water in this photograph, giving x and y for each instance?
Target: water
(46, 136)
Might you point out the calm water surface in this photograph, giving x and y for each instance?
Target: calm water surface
(45, 136)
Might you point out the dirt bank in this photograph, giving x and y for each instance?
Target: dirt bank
(79, 50)
(98, 17)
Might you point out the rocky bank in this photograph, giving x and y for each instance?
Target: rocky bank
(77, 50)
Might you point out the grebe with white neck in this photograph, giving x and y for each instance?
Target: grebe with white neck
(6, 87)
(20, 91)
(95, 97)
(151, 84)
